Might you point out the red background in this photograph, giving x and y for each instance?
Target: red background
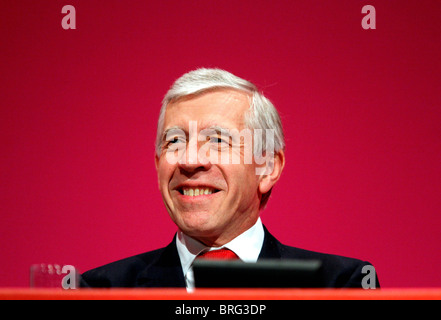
(361, 111)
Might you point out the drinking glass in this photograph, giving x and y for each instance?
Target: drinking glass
(48, 275)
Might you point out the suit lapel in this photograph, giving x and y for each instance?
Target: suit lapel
(271, 248)
(165, 271)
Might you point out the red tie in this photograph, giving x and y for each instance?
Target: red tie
(221, 254)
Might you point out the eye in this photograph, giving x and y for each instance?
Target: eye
(174, 141)
(218, 141)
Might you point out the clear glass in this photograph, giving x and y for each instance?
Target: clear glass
(60, 276)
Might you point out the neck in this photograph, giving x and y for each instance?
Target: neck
(218, 239)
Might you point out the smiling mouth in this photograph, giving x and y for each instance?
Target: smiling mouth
(194, 192)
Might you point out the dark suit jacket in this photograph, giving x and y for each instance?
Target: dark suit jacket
(162, 267)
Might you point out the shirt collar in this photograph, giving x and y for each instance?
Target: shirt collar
(247, 246)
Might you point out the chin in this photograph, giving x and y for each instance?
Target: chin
(199, 225)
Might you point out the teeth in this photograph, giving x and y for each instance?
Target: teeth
(193, 192)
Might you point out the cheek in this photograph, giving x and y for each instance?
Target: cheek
(243, 180)
(165, 172)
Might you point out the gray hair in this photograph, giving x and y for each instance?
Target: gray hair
(261, 115)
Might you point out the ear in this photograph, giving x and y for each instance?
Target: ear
(268, 180)
(157, 166)
(156, 161)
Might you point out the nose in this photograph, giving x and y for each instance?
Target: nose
(193, 159)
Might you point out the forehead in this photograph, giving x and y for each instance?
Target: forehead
(222, 107)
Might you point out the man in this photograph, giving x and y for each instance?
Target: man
(219, 153)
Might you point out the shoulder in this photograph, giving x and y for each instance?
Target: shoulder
(120, 273)
(337, 270)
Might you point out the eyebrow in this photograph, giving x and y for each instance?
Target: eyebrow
(219, 129)
(171, 129)
(223, 131)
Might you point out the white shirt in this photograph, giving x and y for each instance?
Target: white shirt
(246, 246)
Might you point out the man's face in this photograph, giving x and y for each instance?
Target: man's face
(229, 196)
